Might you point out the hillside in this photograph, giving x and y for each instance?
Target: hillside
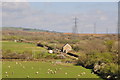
(25, 29)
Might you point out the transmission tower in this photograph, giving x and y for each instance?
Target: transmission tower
(75, 28)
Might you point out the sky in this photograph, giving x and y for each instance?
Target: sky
(59, 16)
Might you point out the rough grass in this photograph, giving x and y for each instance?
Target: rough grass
(23, 69)
(21, 47)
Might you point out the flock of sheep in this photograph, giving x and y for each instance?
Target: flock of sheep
(49, 71)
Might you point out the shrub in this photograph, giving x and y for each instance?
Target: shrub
(109, 44)
(111, 70)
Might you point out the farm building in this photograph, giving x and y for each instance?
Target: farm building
(66, 48)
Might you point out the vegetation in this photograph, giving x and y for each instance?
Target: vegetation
(14, 50)
(38, 69)
(98, 52)
(104, 64)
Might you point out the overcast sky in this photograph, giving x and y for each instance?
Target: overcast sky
(59, 16)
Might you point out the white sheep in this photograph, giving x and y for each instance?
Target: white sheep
(37, 72)
(6, 72)
(16, 62)
(8, 66)
(55, 71)
(92, 72)
(108, 76)
(84, 73)
(66, 73)
(27, 76)
(48, 72)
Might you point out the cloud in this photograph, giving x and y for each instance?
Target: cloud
(20, 14)
(15, 1)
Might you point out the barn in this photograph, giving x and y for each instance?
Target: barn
(66, 48)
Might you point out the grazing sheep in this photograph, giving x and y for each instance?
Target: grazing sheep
(84, 73)
(8, 66)
(66, 73)
(92, 72)
(116, 77)
(37, 72)
(16, 62)
(27, 76)
(6, 72)
(51, 70)
(78, 75)
(54, 71)
(108, 77)
(48, 72)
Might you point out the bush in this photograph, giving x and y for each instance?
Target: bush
(109, 44)
(102, 63)
(110, 70)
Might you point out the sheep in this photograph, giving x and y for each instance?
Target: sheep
(92, 72)
(116, 77)
(78, 75)
(6, 72)
(16, 62)
(84, 73)
(54, 71)
(8, 66)
(27, 76)
(66, 73)
(48, 72)
(51, 70)
(108, 77)
(37, 72)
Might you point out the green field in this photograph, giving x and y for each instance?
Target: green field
(38, 69)
(21, 47)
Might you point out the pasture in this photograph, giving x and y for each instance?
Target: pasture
(38, 69)
(10, 47)
(21, 47)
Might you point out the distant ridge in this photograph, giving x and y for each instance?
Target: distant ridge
(26, 29)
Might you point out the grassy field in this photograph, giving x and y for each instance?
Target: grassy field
(21, 47)
(38, 69)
